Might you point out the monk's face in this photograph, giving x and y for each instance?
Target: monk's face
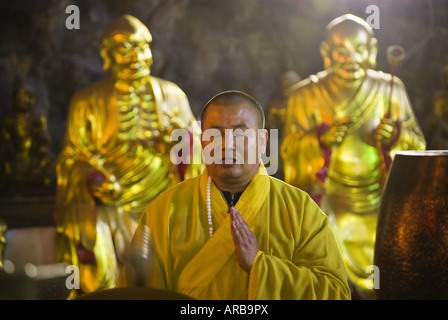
(236, 132)
(349, 52)
(130, 56)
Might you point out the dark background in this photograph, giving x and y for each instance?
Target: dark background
(206, 46)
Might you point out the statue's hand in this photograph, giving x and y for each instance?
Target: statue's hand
(387, 132)
(103, 186)
(336, 133)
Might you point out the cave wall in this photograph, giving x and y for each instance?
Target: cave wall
(206, 46)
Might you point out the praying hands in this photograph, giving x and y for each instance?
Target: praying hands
(246, 243)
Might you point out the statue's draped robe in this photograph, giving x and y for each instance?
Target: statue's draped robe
(109, 131)
(347, 179)
(298, 257)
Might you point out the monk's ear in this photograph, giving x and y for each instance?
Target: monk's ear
(325, 53)
(373, 52)
(202, 142)
(264, 136)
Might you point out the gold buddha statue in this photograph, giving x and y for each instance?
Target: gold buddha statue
(343, 129)
(26, 163)
(439, 116)
(116, 154)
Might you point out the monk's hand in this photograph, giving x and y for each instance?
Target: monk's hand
(246, 243)
(386, 132)
(336, 133)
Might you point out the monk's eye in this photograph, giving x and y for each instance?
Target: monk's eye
(238, 133)
(214, 135)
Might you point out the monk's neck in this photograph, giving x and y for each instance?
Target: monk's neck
(230, 187)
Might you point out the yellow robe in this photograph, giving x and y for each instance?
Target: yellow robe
(298, 257)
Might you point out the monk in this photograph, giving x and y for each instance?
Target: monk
(116, 155)
(343, 129)
(234, 232)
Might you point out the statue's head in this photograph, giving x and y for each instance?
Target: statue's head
(125, 48)
(349, 48)
(24, 98)
(287, 80)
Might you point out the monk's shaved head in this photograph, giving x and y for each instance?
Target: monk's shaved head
(235, 98)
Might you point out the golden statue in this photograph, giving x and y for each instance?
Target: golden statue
(439, 116)
(27, 165)
(276, 114)
(343, 128)
(116, 154)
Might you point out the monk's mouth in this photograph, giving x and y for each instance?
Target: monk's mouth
(228, 161)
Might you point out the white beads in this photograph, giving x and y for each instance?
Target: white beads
(209, 207)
